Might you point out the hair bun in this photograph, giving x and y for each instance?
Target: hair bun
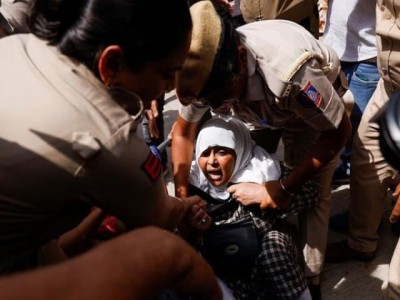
(50, 19)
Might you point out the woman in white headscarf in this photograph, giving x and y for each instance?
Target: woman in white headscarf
(253, 164)
(225, 154)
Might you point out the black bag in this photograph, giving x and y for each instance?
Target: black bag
(232, 246)
(228, 247)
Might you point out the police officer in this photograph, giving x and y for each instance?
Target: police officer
(68, 139)
(276, 75)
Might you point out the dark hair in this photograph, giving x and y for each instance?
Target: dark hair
(147, 30)
(226, 61)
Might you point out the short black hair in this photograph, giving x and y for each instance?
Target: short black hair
(146, 30)
(226, 61)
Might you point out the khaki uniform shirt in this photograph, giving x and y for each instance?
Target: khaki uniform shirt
(293, 10)
(65, 146)
(387, 31)
(290, 79)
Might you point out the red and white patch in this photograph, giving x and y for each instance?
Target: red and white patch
(312, 94)
(152, 166)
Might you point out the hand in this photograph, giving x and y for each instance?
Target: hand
(394, 216)
(196, 220)
(196, 216)
(248, 193)
(151, 115)
(270, 194)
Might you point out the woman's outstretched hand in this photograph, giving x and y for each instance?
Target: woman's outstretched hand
(197, 217)
(196, 220)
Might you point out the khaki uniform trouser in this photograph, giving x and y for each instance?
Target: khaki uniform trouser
(369, 178)
(391, 286)
(313, 225)
(293, 10)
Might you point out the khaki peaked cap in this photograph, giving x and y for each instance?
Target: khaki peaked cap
(206, 33)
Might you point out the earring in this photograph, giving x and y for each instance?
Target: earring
(128, 100)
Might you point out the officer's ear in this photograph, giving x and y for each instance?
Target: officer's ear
(110, 63)
(242, 55)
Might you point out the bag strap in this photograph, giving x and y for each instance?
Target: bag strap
(214, 206)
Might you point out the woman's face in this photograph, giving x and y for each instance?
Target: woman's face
(217, 164)
(155, 78)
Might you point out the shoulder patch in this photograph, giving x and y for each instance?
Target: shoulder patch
(152, 166)
(309, 96)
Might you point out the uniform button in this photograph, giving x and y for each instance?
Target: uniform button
(388, 16)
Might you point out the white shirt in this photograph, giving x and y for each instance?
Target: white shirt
(350, 29)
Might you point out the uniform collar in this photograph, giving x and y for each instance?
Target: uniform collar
(255, 84)
(65, 71)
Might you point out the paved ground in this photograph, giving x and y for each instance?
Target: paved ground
(356, 280)
(352, 280)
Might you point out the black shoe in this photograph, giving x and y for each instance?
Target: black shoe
(341, 175)
(315, 291)
(340, 252)
(340, 222)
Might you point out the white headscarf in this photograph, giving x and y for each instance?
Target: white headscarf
(253, 164)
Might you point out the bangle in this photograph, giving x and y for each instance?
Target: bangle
(284, 189)
(181, 209)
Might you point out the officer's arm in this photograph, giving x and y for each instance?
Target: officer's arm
(327, 146)
(182, 148)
